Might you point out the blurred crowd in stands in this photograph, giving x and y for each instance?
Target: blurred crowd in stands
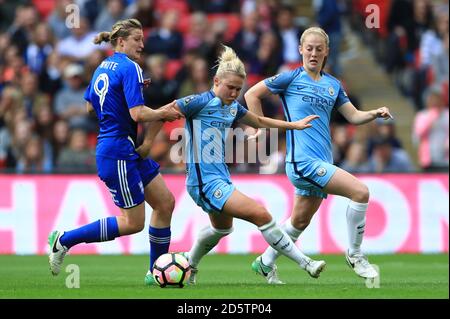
(412, 46)
(45, 65)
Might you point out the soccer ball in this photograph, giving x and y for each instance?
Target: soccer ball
(171, 269)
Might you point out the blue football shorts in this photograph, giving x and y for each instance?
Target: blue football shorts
(309, 178)
(126, 179)
(212, 196)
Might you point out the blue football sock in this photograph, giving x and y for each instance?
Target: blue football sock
(104, 229)
(159, 243)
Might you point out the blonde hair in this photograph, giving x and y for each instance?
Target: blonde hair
(229, 62)
(121, 29)
(315, 30)
(321, 32)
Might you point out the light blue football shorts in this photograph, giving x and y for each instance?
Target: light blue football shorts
(309, 178)
(212, 196)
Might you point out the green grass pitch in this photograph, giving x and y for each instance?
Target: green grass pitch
(225, 276)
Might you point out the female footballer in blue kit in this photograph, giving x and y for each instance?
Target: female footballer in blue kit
(309, 163)
(115, 95)
(211, 114)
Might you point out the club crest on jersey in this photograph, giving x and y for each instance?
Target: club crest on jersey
(321, 171)
(218, 193)
(273, 78)
(331, 90)
(188, 99)
(233, 111)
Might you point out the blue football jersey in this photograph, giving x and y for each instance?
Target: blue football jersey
(208, 123)
(302, 96)
(116, 87)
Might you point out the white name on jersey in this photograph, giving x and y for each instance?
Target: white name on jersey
(109, 65)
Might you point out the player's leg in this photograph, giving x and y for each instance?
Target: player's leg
(307, 178)
(159, 197)
(207, 239)
(123, 181)
(243, 207)
(131, 221)
(304, 209)
(211, 198)
(345, 184)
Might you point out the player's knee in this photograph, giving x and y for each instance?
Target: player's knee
(263, 217)
(300, 222)
(165, 206)
(168, 204)
(135, 225)
(362, 194)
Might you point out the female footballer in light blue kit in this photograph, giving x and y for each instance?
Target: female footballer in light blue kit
(309, 163)
(208, 117)
(115, 94)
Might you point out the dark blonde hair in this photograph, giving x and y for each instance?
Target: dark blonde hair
(121, 28)
(229, 62)
(320, 32)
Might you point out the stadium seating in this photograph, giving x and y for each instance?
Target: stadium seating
(181, 6)
(44, 7)
(172, 67)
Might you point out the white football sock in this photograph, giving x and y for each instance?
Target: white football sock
(356, 222)
(206, 240)
(280, 241)
(270, 255)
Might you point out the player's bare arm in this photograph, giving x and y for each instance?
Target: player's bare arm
(357, 117)
(256, 121)
(142, 113)
(254, 96)
(153, 129)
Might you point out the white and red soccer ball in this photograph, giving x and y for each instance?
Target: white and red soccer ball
(171, 270)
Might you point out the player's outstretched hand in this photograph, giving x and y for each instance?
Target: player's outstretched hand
(170, 112)
(305, 122)
(383, 112)
(256, 135)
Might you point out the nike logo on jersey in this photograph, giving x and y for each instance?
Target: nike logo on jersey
(211, 112)
(301, 87)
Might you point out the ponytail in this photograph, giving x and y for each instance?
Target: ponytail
(121, 28)
(229, 62)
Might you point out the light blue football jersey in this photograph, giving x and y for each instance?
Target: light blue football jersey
(116, 87)
(208, 123)
(302, 96)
